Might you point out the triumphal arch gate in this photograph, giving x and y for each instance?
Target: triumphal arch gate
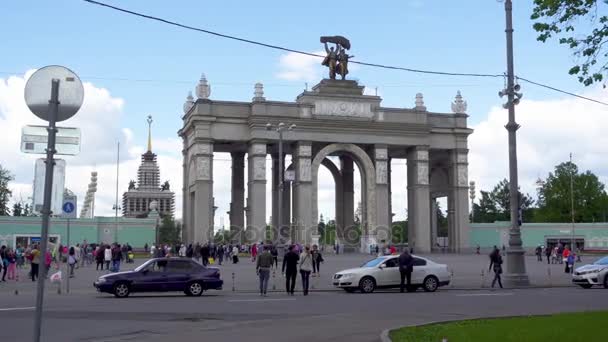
(333, 119)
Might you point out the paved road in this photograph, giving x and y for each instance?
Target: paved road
(84, 315)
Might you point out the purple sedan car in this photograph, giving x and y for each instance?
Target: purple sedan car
(162, 275)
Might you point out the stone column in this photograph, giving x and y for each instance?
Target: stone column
(433, 223)
(275, 191)
(390, 193)
(418, 199)
(256, 199)
(284, 232)
(237, 196)
(302, 188)
(203, 192)
(348, 204)
(458, 201)
(382, 230)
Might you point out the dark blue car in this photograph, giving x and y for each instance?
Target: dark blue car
(162, 275)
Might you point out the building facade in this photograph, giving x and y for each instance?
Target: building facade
(136, 201)
(334, 119)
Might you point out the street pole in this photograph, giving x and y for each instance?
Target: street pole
(67, 283)
(116, 198)
(572, 243)
(280, 200)
(516, 266)
(46, 206)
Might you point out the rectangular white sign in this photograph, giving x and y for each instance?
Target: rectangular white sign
(34, 139)
(57, 189)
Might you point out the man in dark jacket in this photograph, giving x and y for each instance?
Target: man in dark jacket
(290, 269)
(406, 267)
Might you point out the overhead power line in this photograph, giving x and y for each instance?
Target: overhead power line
(277, 47)
(562, 91)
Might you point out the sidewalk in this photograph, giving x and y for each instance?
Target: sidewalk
(468, 272)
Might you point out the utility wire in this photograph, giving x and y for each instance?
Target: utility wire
(562, 91)
(277, 47)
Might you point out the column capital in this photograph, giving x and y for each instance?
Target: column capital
(257, 148)
(303, 149)
(418, 154)
(380, 152)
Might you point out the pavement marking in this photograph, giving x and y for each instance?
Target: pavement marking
(15, 309)
(262, 300)
(484, 294)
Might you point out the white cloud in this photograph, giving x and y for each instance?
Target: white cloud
(549, 131)
(297, 67)
(100, 121)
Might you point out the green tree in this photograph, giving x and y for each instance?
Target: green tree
(18, 209)
(222, 236)
(169, 232)
(582, 26)
(5, 192)
(399, 232)
(442, 222)
(27, 210)
(590, 199)
(496, 205)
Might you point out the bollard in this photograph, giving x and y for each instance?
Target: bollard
(274, 280)
(233, 289)
(452, 278)
(482, 279)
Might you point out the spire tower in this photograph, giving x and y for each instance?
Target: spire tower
(149, 133)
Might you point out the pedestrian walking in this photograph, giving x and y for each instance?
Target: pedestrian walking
(539, 253)
(35, 259)
(566, 254)
(570, 262)
(99, 257)
(116, 257)
(220, 254)
(306, 263)
(12, 264)
(317, 259)
(72, 260)
(275, 256)
(548, 254)
(262, 267)
(290, 269)
(107, 257)
(254, 252)
(4, 261)
(235, 254)
(496, 265)
(406, 267)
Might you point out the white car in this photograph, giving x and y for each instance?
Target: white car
(594, 274)
(383, 272)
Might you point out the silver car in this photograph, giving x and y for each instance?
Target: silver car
(594, 274)
(383, 272)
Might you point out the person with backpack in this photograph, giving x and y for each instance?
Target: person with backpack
(317, 259)
(496, 265)
(306, 266)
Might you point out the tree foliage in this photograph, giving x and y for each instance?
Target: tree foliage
(495, 205)
(5, 192)
(580, 25)
(169, 231)
(590, 199)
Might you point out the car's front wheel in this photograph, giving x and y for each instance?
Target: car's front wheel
(367, 285)
(585, 286)
(121, 290)
(431, 284)
(194, 289)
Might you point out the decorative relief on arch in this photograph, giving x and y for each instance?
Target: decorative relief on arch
(422, 155)
(203, 168)
(259, 169)
(381, 172)
(462, 175)
(192, 173)
(304, 165)
(423, 173)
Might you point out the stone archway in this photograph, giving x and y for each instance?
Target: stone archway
(368, 184)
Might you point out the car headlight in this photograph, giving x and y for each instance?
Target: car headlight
(101, 280)
(348, 275)
(588, 272)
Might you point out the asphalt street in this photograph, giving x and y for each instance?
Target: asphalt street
(85, 315)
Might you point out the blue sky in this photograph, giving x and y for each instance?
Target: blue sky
(150, 67)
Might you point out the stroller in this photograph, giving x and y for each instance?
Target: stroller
(130, 257)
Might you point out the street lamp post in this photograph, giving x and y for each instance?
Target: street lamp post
(572, 243)
(472, 196)
(280, 128)
(516, 266)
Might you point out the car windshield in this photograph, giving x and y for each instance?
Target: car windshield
(374, 262)
(602, 261)
(144, 265)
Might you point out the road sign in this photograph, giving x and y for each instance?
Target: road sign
(68, 207)
(34, 139)
(38, 91)
(57, 186)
